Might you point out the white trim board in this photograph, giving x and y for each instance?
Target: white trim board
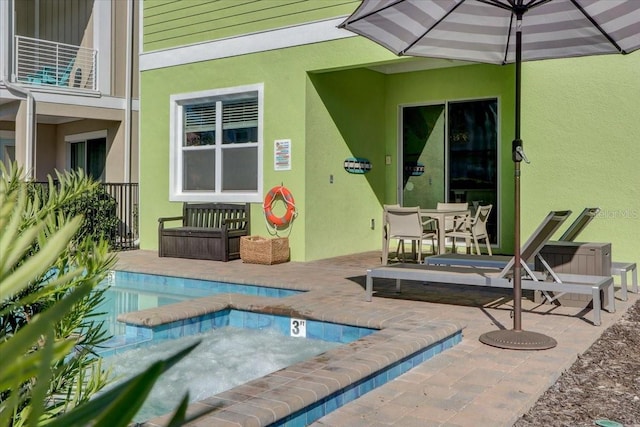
(81, 137)
(76, 99)
(280, 38)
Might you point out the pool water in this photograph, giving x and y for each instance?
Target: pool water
(137, 291)
(235, 347)
(244, 332)
(225, 358)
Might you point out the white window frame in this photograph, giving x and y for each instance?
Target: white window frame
(176, 126)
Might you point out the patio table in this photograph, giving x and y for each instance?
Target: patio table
(440, 215)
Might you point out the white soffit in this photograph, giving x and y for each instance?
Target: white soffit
(419, 64)
(281, 38)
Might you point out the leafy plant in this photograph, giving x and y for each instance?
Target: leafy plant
(49, 276)
(97, 207)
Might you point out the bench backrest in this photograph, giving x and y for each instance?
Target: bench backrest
(212, 215)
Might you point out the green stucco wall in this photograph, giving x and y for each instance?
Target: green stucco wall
(450, 84)
(581, 131)
(579, 125)
(345, 118)
(329, 115)
(289, 95)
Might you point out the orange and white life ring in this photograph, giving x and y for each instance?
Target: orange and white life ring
(276, 192)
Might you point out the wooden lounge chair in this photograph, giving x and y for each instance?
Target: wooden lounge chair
(502, 276)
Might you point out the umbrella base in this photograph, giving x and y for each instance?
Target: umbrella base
(518, 340)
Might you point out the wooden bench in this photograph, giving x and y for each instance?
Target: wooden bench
(209, 231)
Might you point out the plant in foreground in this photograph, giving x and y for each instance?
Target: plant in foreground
(48, 289)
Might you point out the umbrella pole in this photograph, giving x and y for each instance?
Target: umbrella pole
(517, 339)
(517, 159)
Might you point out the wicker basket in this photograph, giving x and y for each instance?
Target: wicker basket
(260, 250)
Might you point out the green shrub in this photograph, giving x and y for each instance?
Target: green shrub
(49, 272)
(94, 204)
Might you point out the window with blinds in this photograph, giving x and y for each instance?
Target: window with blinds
(200, 124)
(219, 153)
(240, 122)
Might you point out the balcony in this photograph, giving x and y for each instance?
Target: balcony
(58, 65)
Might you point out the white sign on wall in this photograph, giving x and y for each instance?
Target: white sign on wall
(282, 154)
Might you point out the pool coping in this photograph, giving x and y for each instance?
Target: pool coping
(331, 379)
(469, 384)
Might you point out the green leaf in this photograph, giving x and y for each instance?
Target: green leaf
(7, 409)
(116, 407)
(42, 383)
(27, 336)
(41, 261)
(9, 207)
(46, 291)
(180, 413)
(27, 366)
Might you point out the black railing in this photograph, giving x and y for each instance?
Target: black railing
(127, 211)
(114, 211)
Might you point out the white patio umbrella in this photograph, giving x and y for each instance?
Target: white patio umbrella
(502, 32)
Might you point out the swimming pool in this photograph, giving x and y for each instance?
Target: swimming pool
(299, 394)
(130, 292)
(237, 346)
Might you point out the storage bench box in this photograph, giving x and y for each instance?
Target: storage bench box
(262, 250)
(209, 231)
(593, 259)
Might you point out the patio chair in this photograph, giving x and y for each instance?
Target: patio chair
(550, 283)
(401, 224)
(48, 75)
(540, 237)
(472, 229)
(529, 250)
(451, 223)
(498, 261)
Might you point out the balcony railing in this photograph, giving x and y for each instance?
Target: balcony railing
(46, 63)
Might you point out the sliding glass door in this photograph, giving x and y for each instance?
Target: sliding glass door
(449, 153)
(423, 155)
(91, 156)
